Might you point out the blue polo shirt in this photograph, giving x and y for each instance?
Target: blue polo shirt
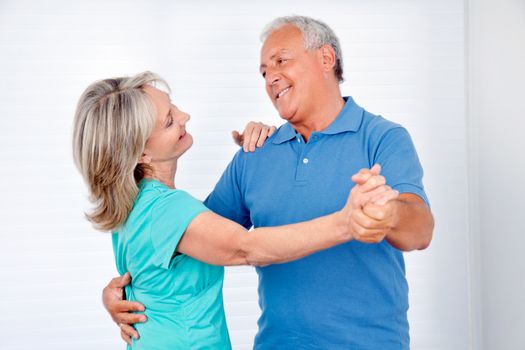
(352, 296)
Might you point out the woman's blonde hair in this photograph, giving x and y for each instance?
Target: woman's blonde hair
(113, 121)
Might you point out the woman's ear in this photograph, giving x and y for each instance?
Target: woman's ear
(145, 159)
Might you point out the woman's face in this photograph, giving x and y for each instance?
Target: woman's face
(169, 139)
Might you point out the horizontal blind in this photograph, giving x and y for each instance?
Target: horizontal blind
(403, 60)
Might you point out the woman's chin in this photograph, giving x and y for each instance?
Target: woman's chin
(185, 142)
(189, 139)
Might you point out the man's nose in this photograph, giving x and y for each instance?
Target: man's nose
(272, 77)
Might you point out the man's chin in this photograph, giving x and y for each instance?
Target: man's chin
(286, 115)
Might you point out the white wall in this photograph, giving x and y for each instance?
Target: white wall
(403, 59)
(496, 57)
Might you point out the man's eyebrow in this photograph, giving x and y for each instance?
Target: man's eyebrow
(272, 57)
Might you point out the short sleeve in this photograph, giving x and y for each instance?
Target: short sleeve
(170, 216)
(399, 162)
(227, 199)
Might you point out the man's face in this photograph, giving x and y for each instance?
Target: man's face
(292, 74)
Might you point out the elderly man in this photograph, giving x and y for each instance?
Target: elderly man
(353, 296)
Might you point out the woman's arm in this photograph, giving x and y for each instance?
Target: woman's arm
(216, 240)
(258, 247)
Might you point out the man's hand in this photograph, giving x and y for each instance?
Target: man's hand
(374, 221)
(120, 309)
(373, 206)
(254, 135)
(404, 220)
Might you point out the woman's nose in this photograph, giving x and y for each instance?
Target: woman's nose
(185, 117)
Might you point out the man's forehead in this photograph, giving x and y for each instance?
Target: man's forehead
(283, 38)
(272, 54)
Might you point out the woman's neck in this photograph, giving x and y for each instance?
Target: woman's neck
(162, 172)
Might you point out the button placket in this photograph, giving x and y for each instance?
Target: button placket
(303, 164)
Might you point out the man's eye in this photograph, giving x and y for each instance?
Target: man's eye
(263, 74)
(170, 121)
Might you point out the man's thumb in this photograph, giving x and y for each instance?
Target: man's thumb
(125, 279)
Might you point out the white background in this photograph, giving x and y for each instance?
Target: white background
(450, 71)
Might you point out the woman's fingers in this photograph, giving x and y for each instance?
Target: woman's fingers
(263, 136)
(254, 135)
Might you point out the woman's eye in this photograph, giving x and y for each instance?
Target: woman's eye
(170, 121)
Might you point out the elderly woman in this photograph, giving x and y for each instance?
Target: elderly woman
(128, 137)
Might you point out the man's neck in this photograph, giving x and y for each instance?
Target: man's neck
(322, 117)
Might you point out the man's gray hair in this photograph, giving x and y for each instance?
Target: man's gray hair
(315, 34)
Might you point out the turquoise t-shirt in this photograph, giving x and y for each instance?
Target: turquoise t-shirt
(182, 296)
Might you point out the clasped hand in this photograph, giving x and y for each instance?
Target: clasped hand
(371, 206)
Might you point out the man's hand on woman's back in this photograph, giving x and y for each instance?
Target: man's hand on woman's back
(121, 310)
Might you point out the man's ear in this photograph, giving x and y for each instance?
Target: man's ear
(327, 57)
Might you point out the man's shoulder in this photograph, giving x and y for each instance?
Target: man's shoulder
(378, 123)
(375, 127)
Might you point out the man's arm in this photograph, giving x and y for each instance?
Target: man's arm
(407, 222)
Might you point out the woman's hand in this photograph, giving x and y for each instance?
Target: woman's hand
(371, 206)
(254, 135)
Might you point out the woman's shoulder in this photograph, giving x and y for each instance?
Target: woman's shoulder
(154, 190)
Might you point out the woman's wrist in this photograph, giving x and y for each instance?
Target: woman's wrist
(342, 224)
